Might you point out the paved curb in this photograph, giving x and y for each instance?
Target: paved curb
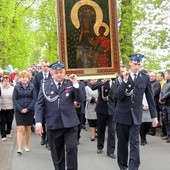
(7, 149)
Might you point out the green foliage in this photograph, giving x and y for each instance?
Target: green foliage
(150, 32)
(47, 30)
(125, 31)
(22, 41)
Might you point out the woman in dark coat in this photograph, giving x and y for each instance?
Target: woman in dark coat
(24, 98)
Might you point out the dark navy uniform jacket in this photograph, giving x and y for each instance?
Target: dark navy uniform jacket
(59, 113)
(81, 109)
(129, 107)
(102, 103)
(38, 80)
(112, 98)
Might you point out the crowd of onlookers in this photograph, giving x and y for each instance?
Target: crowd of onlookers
(17, 97)
(19, 91)
(161, 88)
(158, 82)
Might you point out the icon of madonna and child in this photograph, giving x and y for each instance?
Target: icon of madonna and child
(88, 42)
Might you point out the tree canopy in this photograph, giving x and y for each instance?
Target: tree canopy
(28, 32)
(148, 21)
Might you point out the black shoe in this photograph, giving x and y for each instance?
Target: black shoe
(143, 142)
(32, 129)
(111, 156)
(42, 142)
(92, 139)
(163, 135)
(168, 140)
(165, 138)
(84, 127)
(99, 151)
(48, 146)
(19, 153)
(151, 133)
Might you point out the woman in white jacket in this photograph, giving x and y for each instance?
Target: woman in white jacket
(7, 107)
(90, 114)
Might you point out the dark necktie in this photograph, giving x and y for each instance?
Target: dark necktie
(135, 77)
(45, 76)
(58, 86)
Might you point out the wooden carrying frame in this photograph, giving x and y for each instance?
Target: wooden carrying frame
(88, 37)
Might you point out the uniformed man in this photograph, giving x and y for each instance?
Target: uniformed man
(105, 110)
(56, 101)
(128, 113)
(44, 74)
(80, 109)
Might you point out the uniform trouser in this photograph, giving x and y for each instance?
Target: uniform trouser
(167, 126)
(102, 121)
(166, 118)
(84, 120)
(80, 116)
(124, 134)
(163, 123)
(163, 129)
(7, 117)
(44, 135)
(64, 141)
(144, 129)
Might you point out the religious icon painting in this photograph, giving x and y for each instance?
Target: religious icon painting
(88, 37)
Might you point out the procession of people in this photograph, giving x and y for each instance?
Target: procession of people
(54, 104)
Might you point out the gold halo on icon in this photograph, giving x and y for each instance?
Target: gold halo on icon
(98, 11)
(104, 25)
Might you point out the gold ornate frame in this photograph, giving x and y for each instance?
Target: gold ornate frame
(111, 26)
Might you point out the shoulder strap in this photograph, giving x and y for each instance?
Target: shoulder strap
(45, 84)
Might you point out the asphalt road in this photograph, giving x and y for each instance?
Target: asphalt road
(6, 151)
(154, 156)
